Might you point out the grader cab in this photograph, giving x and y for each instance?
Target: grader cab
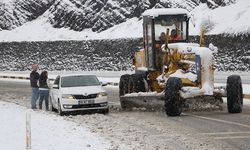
(173, 73)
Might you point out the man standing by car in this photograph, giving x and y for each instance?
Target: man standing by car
(34, 77)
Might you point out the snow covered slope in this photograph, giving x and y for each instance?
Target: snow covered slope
(30, 20)
(232, 19)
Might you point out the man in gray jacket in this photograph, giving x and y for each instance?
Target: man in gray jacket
(34, 77)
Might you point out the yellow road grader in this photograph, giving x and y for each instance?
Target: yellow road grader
(172, 72)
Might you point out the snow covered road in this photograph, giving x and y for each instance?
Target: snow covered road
(152, 130)
(48, 131)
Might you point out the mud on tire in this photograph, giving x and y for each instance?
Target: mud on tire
(123, 84)
(234, 94)
(173, 102)
(123, 89)
(129, 84)
(136, 83)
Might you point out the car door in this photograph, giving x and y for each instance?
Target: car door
(55, 92)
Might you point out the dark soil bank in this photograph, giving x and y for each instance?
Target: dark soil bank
(234, 54)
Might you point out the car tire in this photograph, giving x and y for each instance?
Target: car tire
(173, 102)
(51, 107)
(234, 94)
(59, 110)
(105, 111)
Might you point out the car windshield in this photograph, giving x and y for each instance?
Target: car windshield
(81, 80)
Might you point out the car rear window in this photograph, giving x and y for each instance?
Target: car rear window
(81, 80)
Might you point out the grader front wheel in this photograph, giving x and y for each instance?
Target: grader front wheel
(123, 89)
(123, 84)
(173, 103)
(234, 94)
(136, 83)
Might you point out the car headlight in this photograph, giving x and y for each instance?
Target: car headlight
(102, 94)
(68, 96)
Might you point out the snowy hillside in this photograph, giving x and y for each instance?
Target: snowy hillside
(30, 20)
(233, 19)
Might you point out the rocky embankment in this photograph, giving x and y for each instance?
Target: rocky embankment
(114, 55)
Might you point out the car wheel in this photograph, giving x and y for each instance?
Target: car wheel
(105, 111)
(59, 110)
(51, 107)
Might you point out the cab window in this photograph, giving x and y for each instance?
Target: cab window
(177, 27)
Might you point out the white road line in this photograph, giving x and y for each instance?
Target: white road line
(222, 121)
(232, 137)
(225, 133)
(118, 103)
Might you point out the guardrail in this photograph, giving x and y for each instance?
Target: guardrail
(50, 79)
(15, 77)
(246, 96)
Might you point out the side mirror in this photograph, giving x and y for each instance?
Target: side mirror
(104, 83)
(55, 86)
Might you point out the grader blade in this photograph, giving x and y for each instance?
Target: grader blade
(157, 103)
(150, 103)
(203, 103)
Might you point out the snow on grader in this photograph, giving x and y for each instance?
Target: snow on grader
(173, 73)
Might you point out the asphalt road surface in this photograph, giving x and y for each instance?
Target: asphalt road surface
(218, 129)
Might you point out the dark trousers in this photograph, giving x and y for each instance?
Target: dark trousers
(35, 96)
(44, 95)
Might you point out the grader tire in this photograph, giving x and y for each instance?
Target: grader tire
(234, 94)
(173, 102)
(136, 83)
(139, 84)
(123, 84)
(123, 89)
(131, 84)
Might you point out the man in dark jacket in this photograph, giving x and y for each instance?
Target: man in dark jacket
(34, 77)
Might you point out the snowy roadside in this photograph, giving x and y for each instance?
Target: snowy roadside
(49, 131)
(110, 77)
(246, 90)
(122, 131)
(114, 76)
(53, 74)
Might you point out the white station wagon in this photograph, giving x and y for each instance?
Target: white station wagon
(77, 92)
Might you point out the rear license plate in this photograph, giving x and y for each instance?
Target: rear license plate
(80, 102)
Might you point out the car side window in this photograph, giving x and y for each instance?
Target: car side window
(57, 80)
